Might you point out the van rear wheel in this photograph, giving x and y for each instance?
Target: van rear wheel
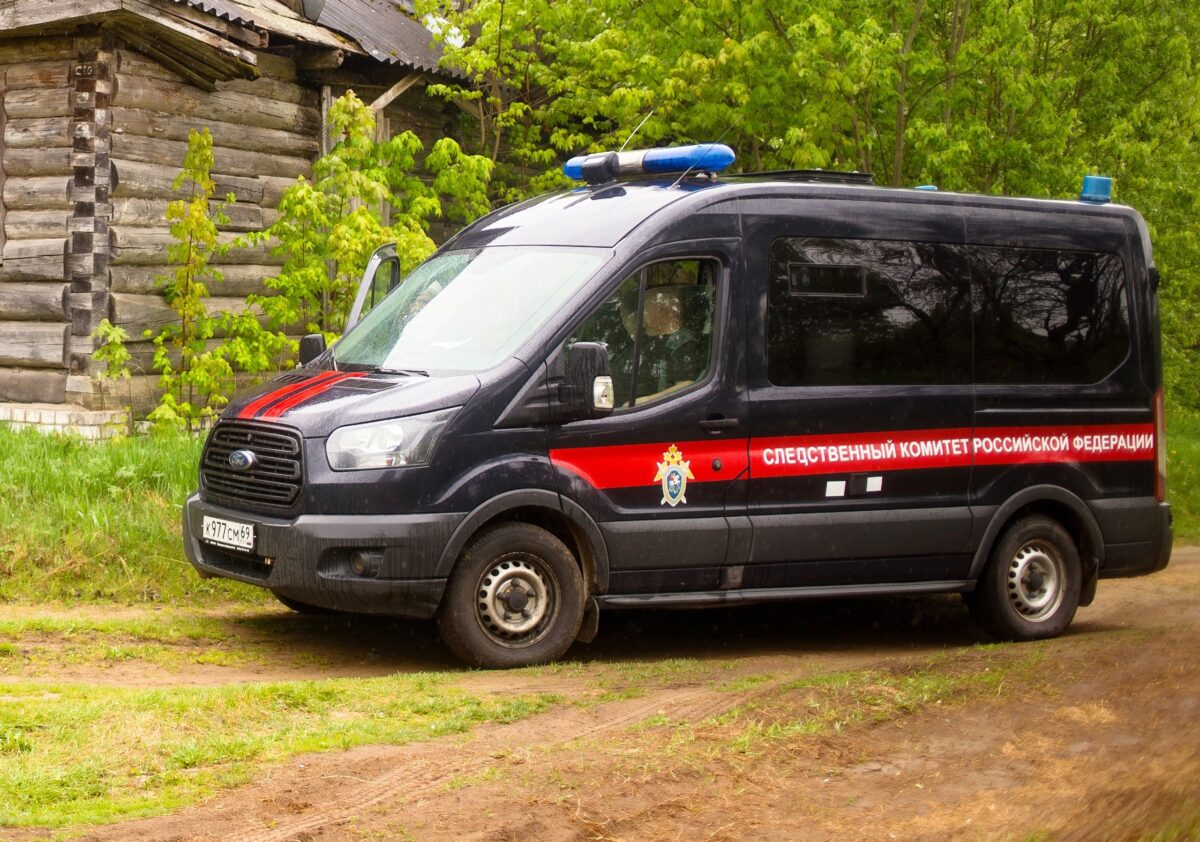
(1030, 587)
(515, 598)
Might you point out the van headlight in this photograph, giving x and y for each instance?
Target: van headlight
(386, 444)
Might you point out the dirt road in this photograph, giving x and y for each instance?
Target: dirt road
(838, 720)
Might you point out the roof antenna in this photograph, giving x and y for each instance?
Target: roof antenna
(684, 175)
(633, 134)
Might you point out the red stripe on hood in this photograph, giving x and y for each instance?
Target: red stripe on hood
(258, 404)
(311, 392)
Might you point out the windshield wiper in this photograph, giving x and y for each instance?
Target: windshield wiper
(412, 372)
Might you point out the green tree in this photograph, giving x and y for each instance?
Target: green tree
(195, 388)
(329, 227)
(112, 354)
(1019, 97)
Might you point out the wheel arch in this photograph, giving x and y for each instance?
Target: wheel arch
(1065, 508)
(563, 518)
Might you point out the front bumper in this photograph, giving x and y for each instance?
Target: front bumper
(308, 558)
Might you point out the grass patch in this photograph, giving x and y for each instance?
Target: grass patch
(76, 755)
(166, 628)
(1183, 827)
(748, 682)
(50, 659)
(41, 645)
(1183, 476)
(624, 680)
(832, 702)
(99, 521)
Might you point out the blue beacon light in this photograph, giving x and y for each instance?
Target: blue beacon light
(605, 166)
(1097, 190)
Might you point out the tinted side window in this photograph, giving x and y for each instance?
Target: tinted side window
(1045, 316)
(859, 312)
(658, 327)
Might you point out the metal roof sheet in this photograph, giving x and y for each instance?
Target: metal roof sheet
(385, 29)
(225, 9)
(275, 17)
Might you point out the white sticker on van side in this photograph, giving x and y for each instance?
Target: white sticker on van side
(835, 488)
(874, 484)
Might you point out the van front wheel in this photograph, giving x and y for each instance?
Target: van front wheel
(515, 598)
(1030, 587)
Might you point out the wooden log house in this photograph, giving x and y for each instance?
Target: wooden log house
(96, 100)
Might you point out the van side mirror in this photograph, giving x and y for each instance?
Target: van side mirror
(574, 384)
(586, 390)
(311, 347)
(1155, 279)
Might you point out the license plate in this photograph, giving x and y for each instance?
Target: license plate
(227, 533)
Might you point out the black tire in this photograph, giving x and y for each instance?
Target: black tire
(1030, 587)
(515, 599)
(303, 607)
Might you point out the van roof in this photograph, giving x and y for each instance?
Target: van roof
(602, 216)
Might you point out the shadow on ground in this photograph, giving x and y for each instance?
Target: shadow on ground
(362, 644)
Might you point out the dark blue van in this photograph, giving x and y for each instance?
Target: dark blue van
(679, 390)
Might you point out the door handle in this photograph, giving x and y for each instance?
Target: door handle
(716, 424)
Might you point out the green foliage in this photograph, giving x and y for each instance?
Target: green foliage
(111, 353)
(195, 388)
(329, 227)
(997, 96)
(1183, 476)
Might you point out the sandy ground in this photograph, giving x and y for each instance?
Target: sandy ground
(1095, 735)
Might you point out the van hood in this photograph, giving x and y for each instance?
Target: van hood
(318, 402)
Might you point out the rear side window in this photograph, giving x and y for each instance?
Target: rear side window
(862, 312)
(1046, 316)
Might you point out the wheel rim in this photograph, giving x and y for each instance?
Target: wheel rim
(1036, 578)
(516, 600)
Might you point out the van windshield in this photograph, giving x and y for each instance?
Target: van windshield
(467, 311)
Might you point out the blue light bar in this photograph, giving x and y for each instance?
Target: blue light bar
(605, 166)
(1097, 189)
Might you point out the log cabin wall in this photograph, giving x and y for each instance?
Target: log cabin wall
(94, 132)
(38, 107)
(265, 134)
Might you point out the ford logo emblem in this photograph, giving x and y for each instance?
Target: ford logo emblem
(242, 460)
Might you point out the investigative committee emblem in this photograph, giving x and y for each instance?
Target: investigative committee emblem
(674, 474)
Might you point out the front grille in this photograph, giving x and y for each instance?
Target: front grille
(272, 484)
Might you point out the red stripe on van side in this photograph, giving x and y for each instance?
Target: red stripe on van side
(629, 465)
(307, 394)
(258, 404)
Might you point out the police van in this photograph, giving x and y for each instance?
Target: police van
(669, 388)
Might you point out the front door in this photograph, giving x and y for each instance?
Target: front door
(860, 391)
(658, 473)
